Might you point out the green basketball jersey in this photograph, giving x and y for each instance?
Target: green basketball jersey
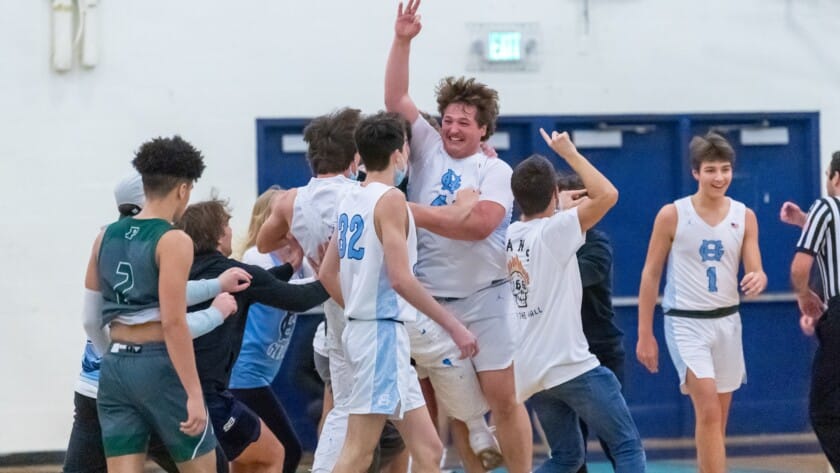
(128, 272)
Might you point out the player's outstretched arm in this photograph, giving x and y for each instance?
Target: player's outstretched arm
(755, 280)
(406, 27)
(274, 232)
(232, 280)
(466, 219)
(391, 221)
(664, 227)
(601, 192)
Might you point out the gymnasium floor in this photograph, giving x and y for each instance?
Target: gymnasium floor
(787, 463)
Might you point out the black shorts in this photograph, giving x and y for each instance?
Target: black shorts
(236, 425)
(391, 443)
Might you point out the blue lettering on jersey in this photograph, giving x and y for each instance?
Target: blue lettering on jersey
(711, 250)
(439, 201)
(355, 226)
(450, 181)
(711, 274)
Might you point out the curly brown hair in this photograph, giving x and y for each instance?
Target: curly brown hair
(467, 91)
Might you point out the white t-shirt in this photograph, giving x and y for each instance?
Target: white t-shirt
(546, 286)
(453, 268)
(703, 263)
(365, 284)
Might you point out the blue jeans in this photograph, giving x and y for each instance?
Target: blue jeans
(595, 397)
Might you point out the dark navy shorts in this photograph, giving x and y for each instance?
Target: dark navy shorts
(236, 425)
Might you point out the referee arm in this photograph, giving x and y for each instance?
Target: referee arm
(813, 236)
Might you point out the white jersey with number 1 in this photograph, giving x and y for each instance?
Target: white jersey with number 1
(703, 264)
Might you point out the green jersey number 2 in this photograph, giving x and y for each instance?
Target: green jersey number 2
(126, 284)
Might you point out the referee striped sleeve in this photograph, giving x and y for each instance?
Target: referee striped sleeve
(816, 225)
(820, 237)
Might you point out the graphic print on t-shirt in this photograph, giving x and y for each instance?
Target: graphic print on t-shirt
(449, 184)
(519, 280)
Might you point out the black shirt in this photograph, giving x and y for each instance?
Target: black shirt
(216, 351)
(596, 274)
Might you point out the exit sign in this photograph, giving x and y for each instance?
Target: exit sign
(504, 46)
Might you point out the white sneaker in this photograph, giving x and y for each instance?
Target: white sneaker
(484, 444)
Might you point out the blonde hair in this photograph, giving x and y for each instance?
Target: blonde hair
(259, 214)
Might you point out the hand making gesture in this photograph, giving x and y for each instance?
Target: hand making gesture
(408, 24)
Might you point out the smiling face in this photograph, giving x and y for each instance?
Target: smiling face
(713, 178)
(460, 131)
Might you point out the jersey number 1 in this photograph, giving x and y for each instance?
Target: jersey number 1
(355, 226)
(711, 274)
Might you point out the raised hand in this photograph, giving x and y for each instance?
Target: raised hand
(791, 214)
(573, 198)
(234, 280)
(225, 303)
(561, 143)
(408, 24)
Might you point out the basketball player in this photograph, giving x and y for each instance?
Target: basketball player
(306, 216)
(140, 264)
(374, 248)
(704, 237)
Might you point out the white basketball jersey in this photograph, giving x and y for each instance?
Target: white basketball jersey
(313, 220)
(703, 264)
(367, 290)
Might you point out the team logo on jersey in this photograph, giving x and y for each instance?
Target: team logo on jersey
(519, 280)
(450, 181)
(383, 400)
(439, 201)
(132, 232)
(711, 250)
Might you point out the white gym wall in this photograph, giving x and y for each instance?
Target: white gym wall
(207, 69)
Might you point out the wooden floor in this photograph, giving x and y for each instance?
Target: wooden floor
(792, 461)
(810, 463)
